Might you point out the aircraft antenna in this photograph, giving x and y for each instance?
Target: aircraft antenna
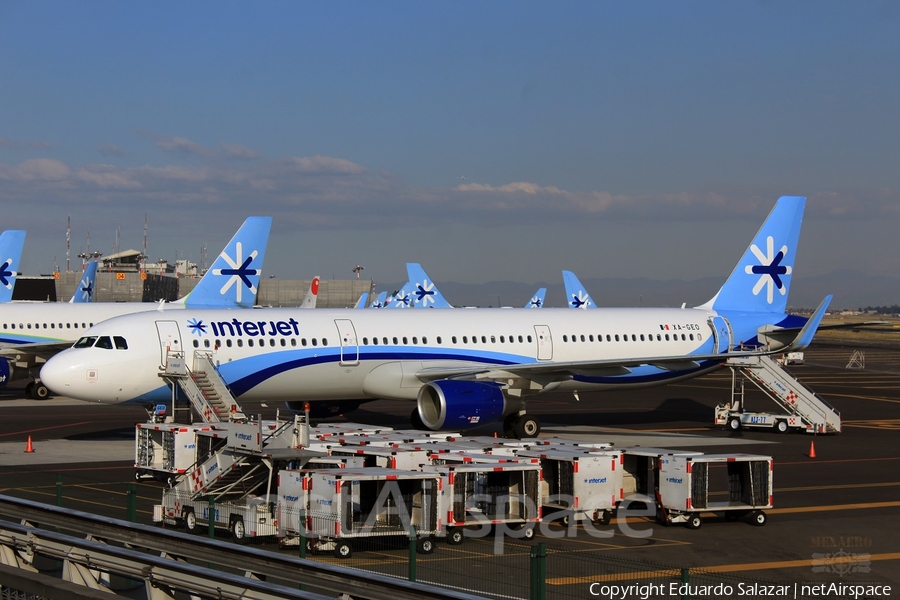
(144, 253)
(357, 270)
(68, 240)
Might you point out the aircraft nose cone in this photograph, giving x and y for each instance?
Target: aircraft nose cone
(55, 374)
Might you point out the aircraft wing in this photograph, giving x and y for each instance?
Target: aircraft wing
(43, 350)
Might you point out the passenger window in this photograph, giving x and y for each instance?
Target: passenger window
(493, 339)
(365, 341)
(324, 341)
(196, 343)
(303, 342)
(395, 341)
(85, 342)
(228, 342)
(240, 342)
(294, 342)
(104, 342)
(315, 342)
(484, 339)
(52, 325)
(617, 337)
(283, 342)
(384, 341)
(425, 340)
(415, 341)
(465, 339)
(405, 341)
(565, 338)
(501, 339)
(250, 342)
(642, 337)
(520, 339)
(205, 343)
(374, 341)
(529, 339)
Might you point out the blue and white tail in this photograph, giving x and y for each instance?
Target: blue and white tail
(85, 290)
(233, 279)
(537, 301)
(379, 301)
(576, 295)
(402, 298)
(761, 280)
(11, 243)
(425, 293)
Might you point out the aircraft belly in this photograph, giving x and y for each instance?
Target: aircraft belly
(633, 381)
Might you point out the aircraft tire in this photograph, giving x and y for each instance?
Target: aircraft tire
(40, 392)
(527, 427)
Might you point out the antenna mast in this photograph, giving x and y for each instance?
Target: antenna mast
(68, 239)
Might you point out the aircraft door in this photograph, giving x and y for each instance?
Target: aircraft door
(544, 342)
(169, 339)
(721, 331)
(349, 344)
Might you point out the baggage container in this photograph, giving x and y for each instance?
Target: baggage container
(489, 494)
(344, 505)
(579, 483)
(691, 485)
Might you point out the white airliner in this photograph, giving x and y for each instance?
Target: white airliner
(31, 332)
(464, 367)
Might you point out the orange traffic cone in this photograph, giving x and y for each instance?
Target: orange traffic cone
(29, 447)
(812, 449)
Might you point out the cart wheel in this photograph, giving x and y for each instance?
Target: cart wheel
(565, 520)
(137, 476)
(189, 519)
(694, 522)
(425, 545)
(455, 536)
(527, 531)
(759, 518)
(238, 533)
(342, 550)
(734, 424)
(781, 426)
(604, 518)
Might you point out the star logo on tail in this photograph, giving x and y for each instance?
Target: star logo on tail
(6, 274)
(580, 300)
(239, 272)
(425, 293)
(769, 270)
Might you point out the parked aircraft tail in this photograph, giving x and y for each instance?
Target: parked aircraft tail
(761, 280)
(424, 293)
(85, 290)
(233, 279)
(11, 243)
(309, 301)
(575, 293)
(537, 301)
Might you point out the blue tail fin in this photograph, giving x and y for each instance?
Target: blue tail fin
(537, 301)
(85, 290)
(363, 298)
(378, 302)
(761, 280)
(11, 243)
(402, 298)
(425, 294)
(575, 293)
(233, 279)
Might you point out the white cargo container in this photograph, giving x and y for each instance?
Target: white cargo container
(640, 469)
(580, 483)
(166, 450)
(489, 494)
(688, 484)
(346, 504)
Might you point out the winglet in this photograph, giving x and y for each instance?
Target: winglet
(233, 279)
(11, 243)
(785, 340)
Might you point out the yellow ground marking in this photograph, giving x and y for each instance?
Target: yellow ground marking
(733, 568)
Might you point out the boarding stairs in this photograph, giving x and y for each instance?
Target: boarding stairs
(244, 464)
(787, 391)
(204, 387)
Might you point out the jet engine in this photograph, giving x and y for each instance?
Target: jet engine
(6, 372)
(450, 404)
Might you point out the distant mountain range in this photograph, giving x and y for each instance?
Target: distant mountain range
(851, 289)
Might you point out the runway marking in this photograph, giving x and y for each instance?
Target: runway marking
(732, 568)
(837, 487)
(833, 507)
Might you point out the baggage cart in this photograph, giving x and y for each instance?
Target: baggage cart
(580, 483)
(691, 485)
(345, 505)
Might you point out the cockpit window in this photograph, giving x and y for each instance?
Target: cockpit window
(85, 342)
(104, 342)
(121, 344)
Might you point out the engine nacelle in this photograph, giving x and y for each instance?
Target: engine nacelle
(460, 405)
(6, 372)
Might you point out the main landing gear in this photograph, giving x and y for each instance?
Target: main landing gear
(521, 425)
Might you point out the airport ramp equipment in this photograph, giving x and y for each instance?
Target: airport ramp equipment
(640, 469)
(334, 507)
(579, 483)
(204, 387)
(692, 485)
(489, 494)
(801, 404)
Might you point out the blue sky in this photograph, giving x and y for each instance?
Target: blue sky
(485, 140)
